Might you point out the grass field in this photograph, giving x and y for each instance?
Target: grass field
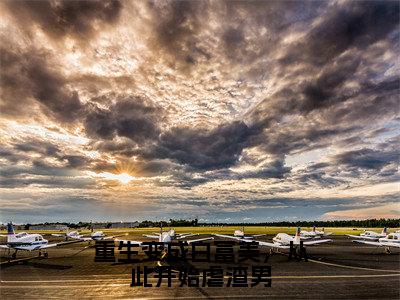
(219, 230)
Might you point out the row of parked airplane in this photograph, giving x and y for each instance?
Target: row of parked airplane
(31, 242)
(373, 238)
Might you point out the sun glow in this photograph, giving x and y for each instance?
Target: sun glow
(122, 177)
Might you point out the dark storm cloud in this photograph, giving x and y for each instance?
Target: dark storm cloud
(369, 158)
(28, 75)
(37, 146)
(201, 149)
(37, 167)
(324, 89)
(64, 18)
(186, 177)
(69, 182)
(179, 26)
(379, 164)
(356, 24)
(319, 178)
(252, 29)
(133, 118)
(76, 161)
(176, 24)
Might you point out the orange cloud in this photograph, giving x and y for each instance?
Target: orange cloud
(385, 211)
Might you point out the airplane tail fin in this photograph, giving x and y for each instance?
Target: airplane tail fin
(385, 230)
(297, 236)
(313, 229)
(10, 232)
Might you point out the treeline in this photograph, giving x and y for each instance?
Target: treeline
(171, 223)
(391, 223)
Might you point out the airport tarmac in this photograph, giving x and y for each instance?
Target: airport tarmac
(336, 270)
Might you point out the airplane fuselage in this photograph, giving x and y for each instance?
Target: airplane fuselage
(24, 241)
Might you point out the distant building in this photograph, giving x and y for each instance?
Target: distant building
(48, 227)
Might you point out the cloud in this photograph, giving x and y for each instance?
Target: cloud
(368, 158)
(60, 19)
(201, 100)
(391, 211)
(131, 117)
(354, 24)
(30, 78)
(204, 149)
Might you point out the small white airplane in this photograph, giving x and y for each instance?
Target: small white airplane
(241, 234)
(69, 235)
(370, 235)
(281, 240)
(314, 233)
(172, 234)
(167, 237)
(391, 240)
(94, 236)
(28, 242)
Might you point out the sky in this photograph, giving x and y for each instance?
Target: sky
(229, 111)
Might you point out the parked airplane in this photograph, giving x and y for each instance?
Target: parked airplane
(281, 240)
(167, 237)
(69, 235)
(172, 234)
(95, 236)
(370, 235)
(391, 240)
(28, 242)
(314, 233)
(241, 234)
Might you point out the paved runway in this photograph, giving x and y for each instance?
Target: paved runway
(337, 270)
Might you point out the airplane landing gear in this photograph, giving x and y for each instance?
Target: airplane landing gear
(46, 255)
(14, 255)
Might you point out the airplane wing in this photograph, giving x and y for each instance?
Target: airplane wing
(258, 235)
(363, 237)
(182, 236)
(261, 243)
(4, 247)
(85, 239)
(199, 240)
(60, 244)
(151, 236)
(232, 237)
(315, 242)
(58, 234)
(367, 242)
(272, 245)
(379, 244)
